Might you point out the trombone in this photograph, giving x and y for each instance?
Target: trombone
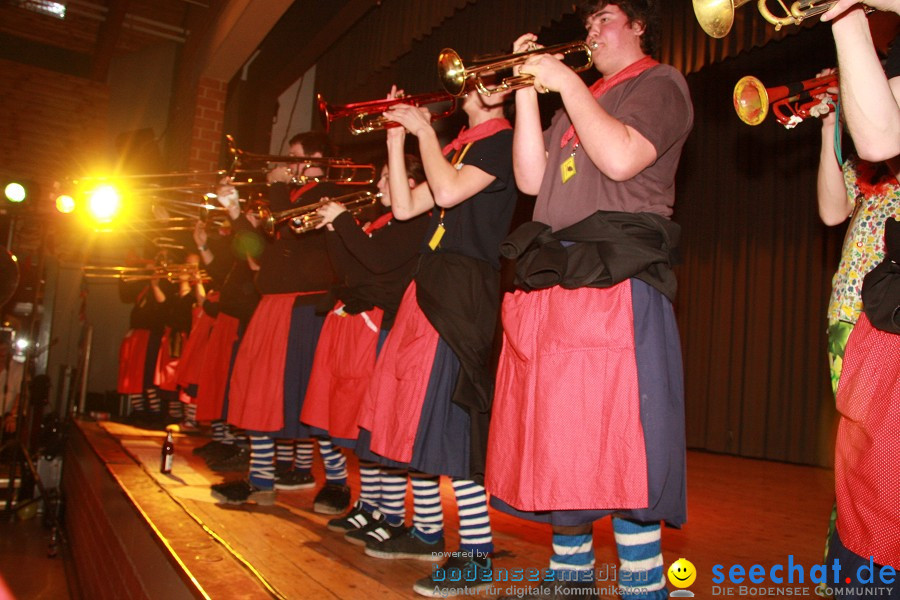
(791, 103)
(717, 16)
(305, 218)
(366, 116)
(456, 77)
(174, 273)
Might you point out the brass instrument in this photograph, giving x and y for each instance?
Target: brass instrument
(366, 116)
(717, 16)
(790, 104)
(457, 78)
(305, 218)
(172, 272)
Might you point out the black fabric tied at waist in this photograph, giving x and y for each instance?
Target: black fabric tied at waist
(600, 251)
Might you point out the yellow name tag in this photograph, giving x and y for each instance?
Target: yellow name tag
(567, 169)
(436, 238)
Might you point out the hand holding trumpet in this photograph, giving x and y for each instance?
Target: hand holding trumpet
(549, 72)
(329, 212)
(414, 119)
(842, 6)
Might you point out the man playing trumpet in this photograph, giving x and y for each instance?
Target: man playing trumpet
(588, 416)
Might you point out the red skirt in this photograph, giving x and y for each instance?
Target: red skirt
(212, 380)
(132, 357)
(188, 371)
(394, 400)
(166, 364)
(256, 396)
(341, 372)
(566, 429)
(867, 452)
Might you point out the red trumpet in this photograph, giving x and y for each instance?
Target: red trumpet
(791, 103)
(366, 116)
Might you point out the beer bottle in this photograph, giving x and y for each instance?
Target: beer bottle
(168, 454)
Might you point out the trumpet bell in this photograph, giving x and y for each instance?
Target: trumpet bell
(452, 71)
(751, 100)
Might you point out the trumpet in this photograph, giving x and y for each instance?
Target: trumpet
(174, 273)
(335, 170)
(305, 218)
(457, 78)
(366, 116)
(791, 103)
(717, 16)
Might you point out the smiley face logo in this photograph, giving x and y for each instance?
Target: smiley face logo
(682, 573)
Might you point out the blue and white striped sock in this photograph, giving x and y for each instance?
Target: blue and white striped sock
(154, 405)
(174, 406)
(428, 515)
(190, 414)
(474, 523)
(335, 463)
(369, 485)
(641, 573)
(573, 557)
(303, 455)
(393, 495)
(137, 402)
(262, 461)
(219, 430)
(284, 454)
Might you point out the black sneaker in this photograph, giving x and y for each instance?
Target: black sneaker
(215, 451)
(354, 520)
(242, 491)
(460, 575)
(558, 590)
(333, 499)
(294, 480)
(375, 532)
(406, 545)
(239, 460)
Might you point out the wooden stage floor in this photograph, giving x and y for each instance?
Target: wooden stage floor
(740, 511)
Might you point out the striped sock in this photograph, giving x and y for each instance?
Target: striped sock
(284, 454)
(303, 455)
(393, 495)
(153, 401)
(137, 402)
(262, 461)
(428, 515)
(641, 575)
(190, 414)
(474, 523)
(369, 486)
(573, 557)
(335, 463)
(174, 406)
(219, 430)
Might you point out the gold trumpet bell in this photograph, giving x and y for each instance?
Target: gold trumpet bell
(715, 16)
(751, 100)
(452, 71)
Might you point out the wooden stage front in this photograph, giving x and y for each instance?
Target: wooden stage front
(135, 533)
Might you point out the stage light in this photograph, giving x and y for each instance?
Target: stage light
(22, 344)
(103, 203)
(15, 192)
(65, 203)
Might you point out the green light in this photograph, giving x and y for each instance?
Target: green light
(15, 192)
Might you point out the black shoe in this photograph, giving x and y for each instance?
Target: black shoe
(377, 531)
(242, 491)
(460, 575)
(212, 449)
(238, 461)
(294, 480)
(354, 520)
(333, 499)
(406, 545)
(558, 590)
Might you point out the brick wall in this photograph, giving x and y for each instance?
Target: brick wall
(206, 133)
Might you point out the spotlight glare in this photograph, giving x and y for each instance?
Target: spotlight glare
(22, 344)
(15, 192)
(103, 203)
(65, 204)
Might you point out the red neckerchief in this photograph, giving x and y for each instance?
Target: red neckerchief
(297, 193)
(601, 86)
(479, 132)
(379, 222)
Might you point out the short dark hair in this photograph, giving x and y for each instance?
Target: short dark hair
(314, 141)
(641, 11)
(415, 170)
